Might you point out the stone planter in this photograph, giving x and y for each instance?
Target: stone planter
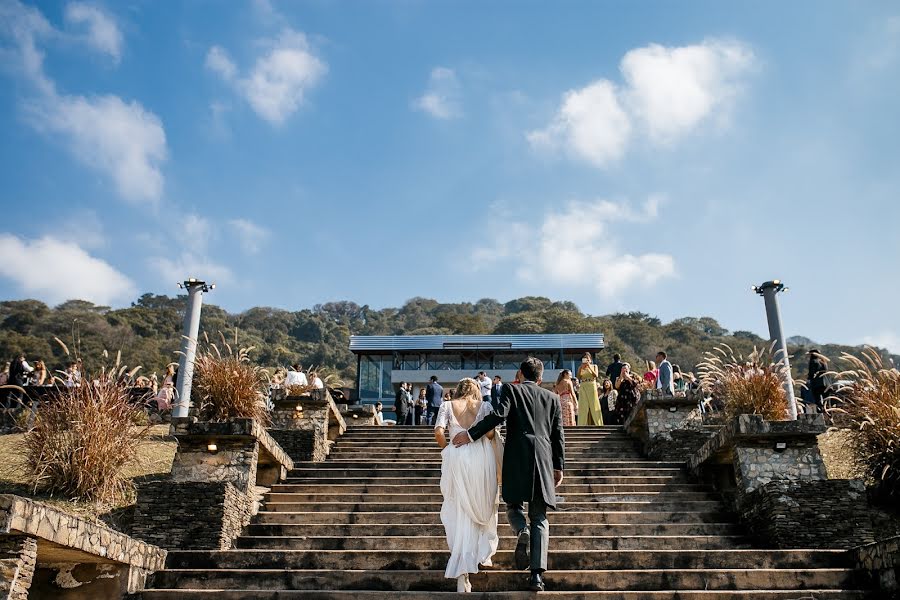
(774, 476)
(669, 427)
(307, 426)
(218, 475)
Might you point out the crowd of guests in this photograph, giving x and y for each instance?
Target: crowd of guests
(586, 397)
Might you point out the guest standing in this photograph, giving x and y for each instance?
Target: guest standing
(421, 405)
(496, 390)
(588, 402)
(652, 374)
(627, 387)
(566, 393)
(608, 396)
(434, 397)
(615, 368)
(401, 406)
(484, 386)
(664, 379)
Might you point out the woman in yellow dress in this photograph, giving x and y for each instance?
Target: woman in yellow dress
(588, 399)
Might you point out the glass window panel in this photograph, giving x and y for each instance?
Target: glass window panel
(369, 376)
(507, 361)
(387, 388)
(445, 362)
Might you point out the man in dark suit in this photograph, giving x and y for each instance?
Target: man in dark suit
(533, 462)
(401, 407)
(496, 388)
(434, 397)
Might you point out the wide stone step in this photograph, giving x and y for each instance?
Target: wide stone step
(583, 506)
(809, 594)
(505, 580)
(600, 517)
(416, 463)
(435, 488)
(413, 471)
(439, 542)
(312, 479)
(558, 560)
(558, 530)
(393, 454)
(402, 499)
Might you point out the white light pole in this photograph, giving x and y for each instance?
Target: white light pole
(768, 291)
(190, 333)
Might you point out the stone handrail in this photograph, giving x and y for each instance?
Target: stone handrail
(74, 539)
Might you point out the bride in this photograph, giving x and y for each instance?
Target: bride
(468, 484)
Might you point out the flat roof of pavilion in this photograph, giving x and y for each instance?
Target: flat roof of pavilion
(545, 341)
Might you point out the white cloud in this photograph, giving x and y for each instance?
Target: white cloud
(442, 98)
(667, 93)
(54, 270)
(577, 247)
(276, 85)
(188, 255)
(218, 61)
(120, 139)
(591, 124)
(250, 235)
(884, 339)
(102, 31)
(671, 90)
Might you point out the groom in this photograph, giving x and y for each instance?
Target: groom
(533, 462)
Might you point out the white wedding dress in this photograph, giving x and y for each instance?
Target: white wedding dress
(470, 490)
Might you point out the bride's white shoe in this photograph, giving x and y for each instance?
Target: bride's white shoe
(463, 584)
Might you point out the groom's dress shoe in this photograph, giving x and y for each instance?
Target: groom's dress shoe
(536, 583)
(523, 545)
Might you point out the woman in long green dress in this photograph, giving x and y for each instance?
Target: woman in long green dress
(588, 400)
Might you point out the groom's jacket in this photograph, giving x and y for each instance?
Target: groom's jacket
(535, 443)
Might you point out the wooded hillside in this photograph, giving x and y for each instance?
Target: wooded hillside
(148, 332)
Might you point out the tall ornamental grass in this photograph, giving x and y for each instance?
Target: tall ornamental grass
(745, 385)
(871, 401)
(84, 437)
(227, 386)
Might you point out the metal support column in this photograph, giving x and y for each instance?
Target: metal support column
(189, 339)
(768, 291)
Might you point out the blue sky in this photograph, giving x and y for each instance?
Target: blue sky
(651, 156)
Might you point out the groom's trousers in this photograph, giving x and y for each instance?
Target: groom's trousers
(540, 529)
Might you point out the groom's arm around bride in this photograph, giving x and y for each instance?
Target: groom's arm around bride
(533, 461)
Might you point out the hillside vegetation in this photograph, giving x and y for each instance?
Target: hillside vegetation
(148, 332)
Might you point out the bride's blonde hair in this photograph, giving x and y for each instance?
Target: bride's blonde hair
(468, 388)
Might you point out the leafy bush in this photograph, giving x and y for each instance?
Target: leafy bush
(227, 386)
(871, 401)
(83, 438)
(751, 385)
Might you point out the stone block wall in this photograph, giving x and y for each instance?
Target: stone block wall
(302, 444)
(190, 515)
(758, 464)
(882, 561)
(18, 558)
(678, 444)
(808, 514)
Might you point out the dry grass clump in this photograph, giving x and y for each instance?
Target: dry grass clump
(751, 385)
(83, 439)
(872, 402)
(227, 386)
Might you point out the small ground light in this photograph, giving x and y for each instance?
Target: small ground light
(780, 446)
(673, 409)
(211, 447)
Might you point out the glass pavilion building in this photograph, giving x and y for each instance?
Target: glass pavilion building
(385, 361)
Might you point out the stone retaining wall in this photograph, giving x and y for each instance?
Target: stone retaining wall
(190, 515)
(882, 560)
(18, 558)
(808, 514)
(302, 444)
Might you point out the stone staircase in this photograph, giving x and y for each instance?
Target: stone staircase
(365, 524)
